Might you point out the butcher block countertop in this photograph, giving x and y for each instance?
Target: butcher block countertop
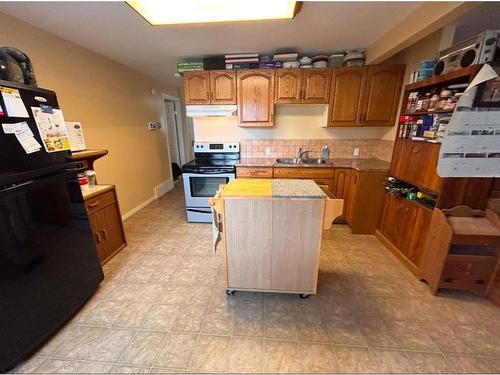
(276, 188)
(359, 164)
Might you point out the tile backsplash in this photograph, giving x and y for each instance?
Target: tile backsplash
(339, 148)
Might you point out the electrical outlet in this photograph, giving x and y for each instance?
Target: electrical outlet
(355, 152)
(267, 151)
(153, 125)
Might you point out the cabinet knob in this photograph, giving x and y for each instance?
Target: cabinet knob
(98, 238)
(416, 149)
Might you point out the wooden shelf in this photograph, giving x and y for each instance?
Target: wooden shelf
(421, 113)
(88, 154)
(468, 72)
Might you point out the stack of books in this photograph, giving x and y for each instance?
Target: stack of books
(242, 61)
(288, 56)
(188, 66)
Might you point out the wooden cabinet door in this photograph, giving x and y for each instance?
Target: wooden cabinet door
(341, 188)
(430, 180)
(248, 243)
(111, 229)
(390, 216)
(316, 85)
(288, 83)
(255, 97)
(346, 96)
(405, 224)
(96, 222)
(197, 87)
(223, 87)
(419, 235)
(296, 234)
(353, 191)
(397, 162)
(382, 94)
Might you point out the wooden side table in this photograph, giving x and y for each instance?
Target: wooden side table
(462, 250)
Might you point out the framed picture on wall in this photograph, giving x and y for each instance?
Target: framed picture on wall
(488, 94)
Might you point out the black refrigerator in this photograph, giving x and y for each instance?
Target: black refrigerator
(48, 259)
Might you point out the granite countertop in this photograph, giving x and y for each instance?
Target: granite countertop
(359, 164)
(291, 188)
(272, 188)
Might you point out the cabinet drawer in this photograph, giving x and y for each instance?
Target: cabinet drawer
(301, 172)
(326, 182)
(102, 200)
(467, 267)
(251, 172)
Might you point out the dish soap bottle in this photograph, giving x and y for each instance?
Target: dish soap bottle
(326, 152)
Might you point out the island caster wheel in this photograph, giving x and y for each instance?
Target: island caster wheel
(303, 296)
(230, 292)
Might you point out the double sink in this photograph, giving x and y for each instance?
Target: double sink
(306, 161)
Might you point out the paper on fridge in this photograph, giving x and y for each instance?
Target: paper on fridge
(76, 139)
(12, 128)
(52, 128)
(26, 138)
(14, 104)
(471, 146)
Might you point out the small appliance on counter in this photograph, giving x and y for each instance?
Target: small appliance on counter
(214, 164)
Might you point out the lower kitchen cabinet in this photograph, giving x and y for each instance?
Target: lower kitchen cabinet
(105, 220)
(404, 227)
(341, 188)
(365, 201)
(254, 172)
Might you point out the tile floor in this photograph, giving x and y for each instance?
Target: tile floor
(163, 308)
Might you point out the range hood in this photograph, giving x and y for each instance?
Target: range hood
(211, 110)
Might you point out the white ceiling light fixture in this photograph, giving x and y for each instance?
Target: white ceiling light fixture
(162, 12)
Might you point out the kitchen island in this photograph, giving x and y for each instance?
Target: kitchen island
(271, 233)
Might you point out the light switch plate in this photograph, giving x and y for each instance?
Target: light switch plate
(267, 151)
(355, 152)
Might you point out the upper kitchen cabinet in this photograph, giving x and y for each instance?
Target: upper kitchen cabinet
(288, 86)
(365, 96)
(316, 85)
(346, 96)
(255, 97)
(210, 87)
(223, 87)
(382, 93)
(197, 87)
(302, 86)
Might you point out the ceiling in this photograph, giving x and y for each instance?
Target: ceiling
(114, 30)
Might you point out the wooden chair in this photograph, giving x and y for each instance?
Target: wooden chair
(462, 250)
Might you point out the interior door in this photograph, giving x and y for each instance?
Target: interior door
(346, 96)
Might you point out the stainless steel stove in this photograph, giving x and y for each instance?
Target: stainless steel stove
(214, 165)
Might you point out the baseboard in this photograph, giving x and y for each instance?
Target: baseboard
(126, 215)
(163, 188)
(158, 192)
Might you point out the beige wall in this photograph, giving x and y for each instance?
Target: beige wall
(291, 122)
(114, 104)
(424, 49)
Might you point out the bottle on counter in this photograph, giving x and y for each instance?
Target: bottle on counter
(325, 152)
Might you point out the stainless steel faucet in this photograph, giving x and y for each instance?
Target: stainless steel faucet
(301, 153)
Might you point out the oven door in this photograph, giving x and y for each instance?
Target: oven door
(198, 187)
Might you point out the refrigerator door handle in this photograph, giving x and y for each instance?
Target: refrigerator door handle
(18, 186)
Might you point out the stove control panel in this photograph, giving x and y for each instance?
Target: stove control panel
(216, 147)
